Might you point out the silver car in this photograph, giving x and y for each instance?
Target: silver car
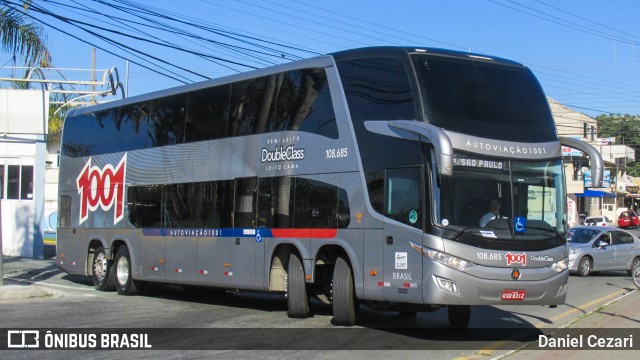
(598, 248)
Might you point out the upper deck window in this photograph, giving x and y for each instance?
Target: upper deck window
(484, 99)
(297, 100)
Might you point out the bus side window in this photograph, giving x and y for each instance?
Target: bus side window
(245, 203)
(404, 196)
(207, 114)
(145, 208)
(167, 120)
(64, 204)
(315, 204)
(275, 197)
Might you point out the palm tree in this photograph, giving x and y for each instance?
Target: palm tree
(21, 38)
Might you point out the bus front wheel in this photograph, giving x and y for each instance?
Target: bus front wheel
(459, 316)
(343, 294)
(123, 274)
(297, 296)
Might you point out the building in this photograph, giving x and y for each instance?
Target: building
(609, 200)
(24, 115)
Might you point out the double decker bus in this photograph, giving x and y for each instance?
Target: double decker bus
(359, 177)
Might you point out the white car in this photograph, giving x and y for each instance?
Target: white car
(598, 221)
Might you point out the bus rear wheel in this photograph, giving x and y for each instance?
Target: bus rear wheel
(343, 294)
(123, 274)
(101, 274)
(297, 296)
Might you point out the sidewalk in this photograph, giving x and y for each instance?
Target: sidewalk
(617, 319)
(22, 277)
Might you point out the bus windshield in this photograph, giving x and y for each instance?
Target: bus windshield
(501, 198)
(484, 99)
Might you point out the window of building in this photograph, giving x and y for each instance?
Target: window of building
(19, 182)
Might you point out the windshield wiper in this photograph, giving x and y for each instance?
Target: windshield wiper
(460, 232)
(547, 229)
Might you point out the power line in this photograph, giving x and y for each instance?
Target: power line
(585, 19)
(378, 25)
(92, 44)
(562, 22)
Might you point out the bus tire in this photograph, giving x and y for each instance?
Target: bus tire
(459, 316)
(584, 266)
(297, 296)
(343, 294)
(122, 273)
(102, 268)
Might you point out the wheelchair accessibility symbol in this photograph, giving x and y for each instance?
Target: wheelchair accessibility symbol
(520, 224)
(258, 236)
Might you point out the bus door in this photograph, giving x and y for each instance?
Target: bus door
(404, 211)
(247, 244)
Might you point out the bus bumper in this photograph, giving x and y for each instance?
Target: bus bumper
(446, 286)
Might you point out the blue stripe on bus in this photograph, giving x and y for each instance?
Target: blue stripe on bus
(206, 232)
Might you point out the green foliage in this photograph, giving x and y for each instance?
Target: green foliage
(23, 39)
(626, 129)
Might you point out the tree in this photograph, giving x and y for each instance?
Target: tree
(23, 39)
(626, 130)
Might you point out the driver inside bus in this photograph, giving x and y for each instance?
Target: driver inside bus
(494, 212)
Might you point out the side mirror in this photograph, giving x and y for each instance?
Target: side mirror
(602, 243)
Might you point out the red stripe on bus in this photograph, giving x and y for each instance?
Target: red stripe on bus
(305, 233)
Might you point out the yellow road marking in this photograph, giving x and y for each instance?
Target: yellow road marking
(583, 307)
(491, 348)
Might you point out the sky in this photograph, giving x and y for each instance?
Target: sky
(585, 53)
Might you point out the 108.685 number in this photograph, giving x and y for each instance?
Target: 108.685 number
(337, 153)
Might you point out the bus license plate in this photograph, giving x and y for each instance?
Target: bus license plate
(514, 295)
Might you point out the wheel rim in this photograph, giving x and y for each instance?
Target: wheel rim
(122, 270)
(586, 266)
(100, 266)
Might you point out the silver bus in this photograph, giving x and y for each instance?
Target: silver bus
(359, 177)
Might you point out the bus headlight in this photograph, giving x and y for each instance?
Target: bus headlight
(448, 260)
(448, 285)
(560, 266)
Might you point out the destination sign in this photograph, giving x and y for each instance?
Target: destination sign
(478, 163)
